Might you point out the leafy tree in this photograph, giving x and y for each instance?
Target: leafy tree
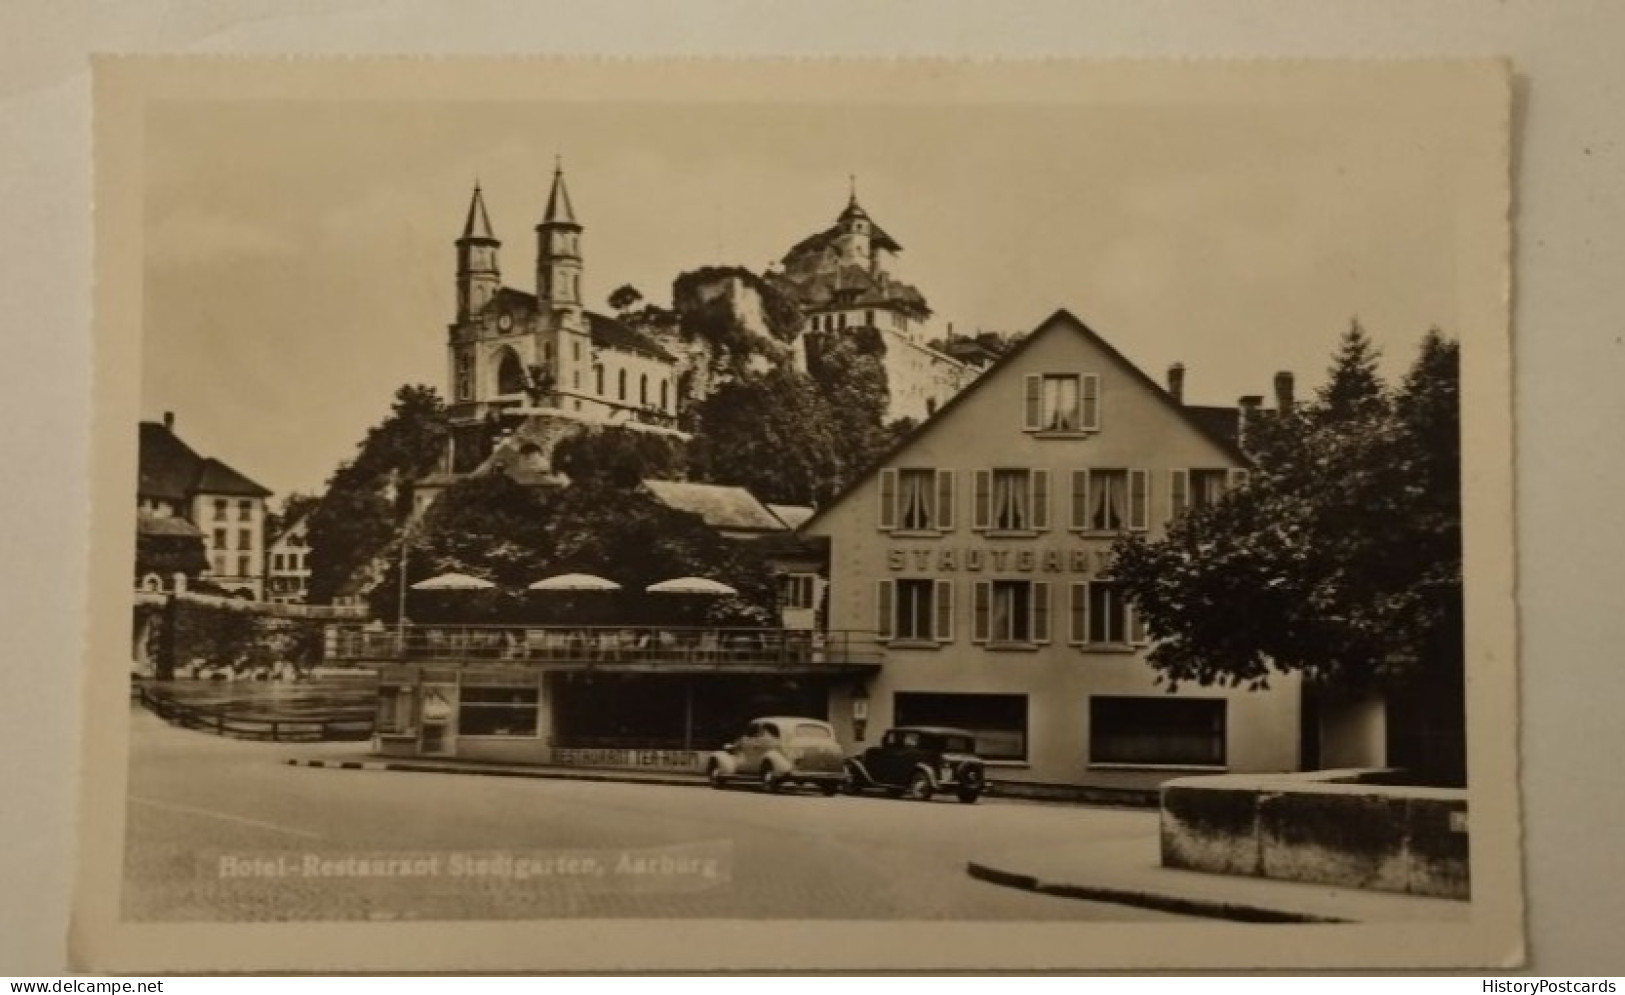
(772, 434)
(621, 456)
(848, 370)
(624, 298)
(293, 507)
(1339, 560)
(369, 497)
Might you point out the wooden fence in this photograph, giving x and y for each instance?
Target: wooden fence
(225, 720)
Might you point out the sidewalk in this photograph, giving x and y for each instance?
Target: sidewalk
(1128, 870)
(430, 765)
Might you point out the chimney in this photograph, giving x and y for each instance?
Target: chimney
(1176, 382)
(169, 421)
(1283, 391)
(1246, 411)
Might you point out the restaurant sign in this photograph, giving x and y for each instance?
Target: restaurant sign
(1084, 562)
(628, 758)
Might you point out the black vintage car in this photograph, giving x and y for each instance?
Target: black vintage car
(919, 761)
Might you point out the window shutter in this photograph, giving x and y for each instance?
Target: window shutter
(888, 499)
(1080, 500)
(982, 514)
(945, 500)
(944, 622)
(1139, 500)
(883, 608)
(1238, 478)
(1136, 626)
(1040, 485)
(1090, 401)
(1033, 418)
(982, 596)
(1040, 607)
(1078, 612)
(1179, 492)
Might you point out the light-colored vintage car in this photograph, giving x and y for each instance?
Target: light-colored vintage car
(779, 751)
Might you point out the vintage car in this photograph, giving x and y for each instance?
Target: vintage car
(779, 751)
(919, 761)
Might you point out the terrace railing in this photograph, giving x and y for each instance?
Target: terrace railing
(654, 646)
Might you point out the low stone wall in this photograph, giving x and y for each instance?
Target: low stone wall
(1328, 827)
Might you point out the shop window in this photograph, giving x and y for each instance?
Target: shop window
(998, 721)
(916, 500)
(1162, 731)
(1101, 615)
(1011, 612)
(1063, 403)
(498, 711)
(1110, 500)
(796, 591)
(915, 610)
(395, 710)
(1012, 500)
(1200, 487)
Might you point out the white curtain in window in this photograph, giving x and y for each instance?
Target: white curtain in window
(1010, 500)
(1004, 612)
(1209, 487)
(1061, 404)
(1109, 493)
(914, 499)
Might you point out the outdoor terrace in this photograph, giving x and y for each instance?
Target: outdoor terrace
(625, 648)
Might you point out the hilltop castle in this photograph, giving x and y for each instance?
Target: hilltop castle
(528, 367)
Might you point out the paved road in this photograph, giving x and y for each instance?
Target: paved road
(225, 830)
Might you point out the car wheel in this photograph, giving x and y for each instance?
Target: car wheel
(772, 783)
(850, 785)
(830, 788)
(920, 787)
(969, 797)
(714, 774)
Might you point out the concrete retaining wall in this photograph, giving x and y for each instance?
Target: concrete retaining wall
(1327, 827)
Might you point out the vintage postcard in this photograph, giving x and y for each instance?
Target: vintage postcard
(738, 516)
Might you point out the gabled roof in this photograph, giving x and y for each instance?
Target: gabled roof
(792, 515)
(171, 470)
(1061, 319)
(610, 333)
(166, 525)
(724, 508)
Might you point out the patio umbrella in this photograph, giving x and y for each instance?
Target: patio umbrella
(691, 585)
(453, 582)
(574, 582)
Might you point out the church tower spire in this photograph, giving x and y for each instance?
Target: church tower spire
(558, 255)
(478, 275)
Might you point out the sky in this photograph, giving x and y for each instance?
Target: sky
(298, 254)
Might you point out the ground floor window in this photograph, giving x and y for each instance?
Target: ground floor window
(395, 708)
(1157, 731)
(498, 711)
(998, 721)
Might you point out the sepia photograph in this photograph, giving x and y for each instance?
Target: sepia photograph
(770, 515)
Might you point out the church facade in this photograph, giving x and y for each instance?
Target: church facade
(518, 356)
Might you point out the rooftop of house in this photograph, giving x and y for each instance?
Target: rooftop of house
(165, 525)
(724, 508)
(171, 470)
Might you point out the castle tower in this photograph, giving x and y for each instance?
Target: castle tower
(478, 275)
(565, 337)
(855, 241)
